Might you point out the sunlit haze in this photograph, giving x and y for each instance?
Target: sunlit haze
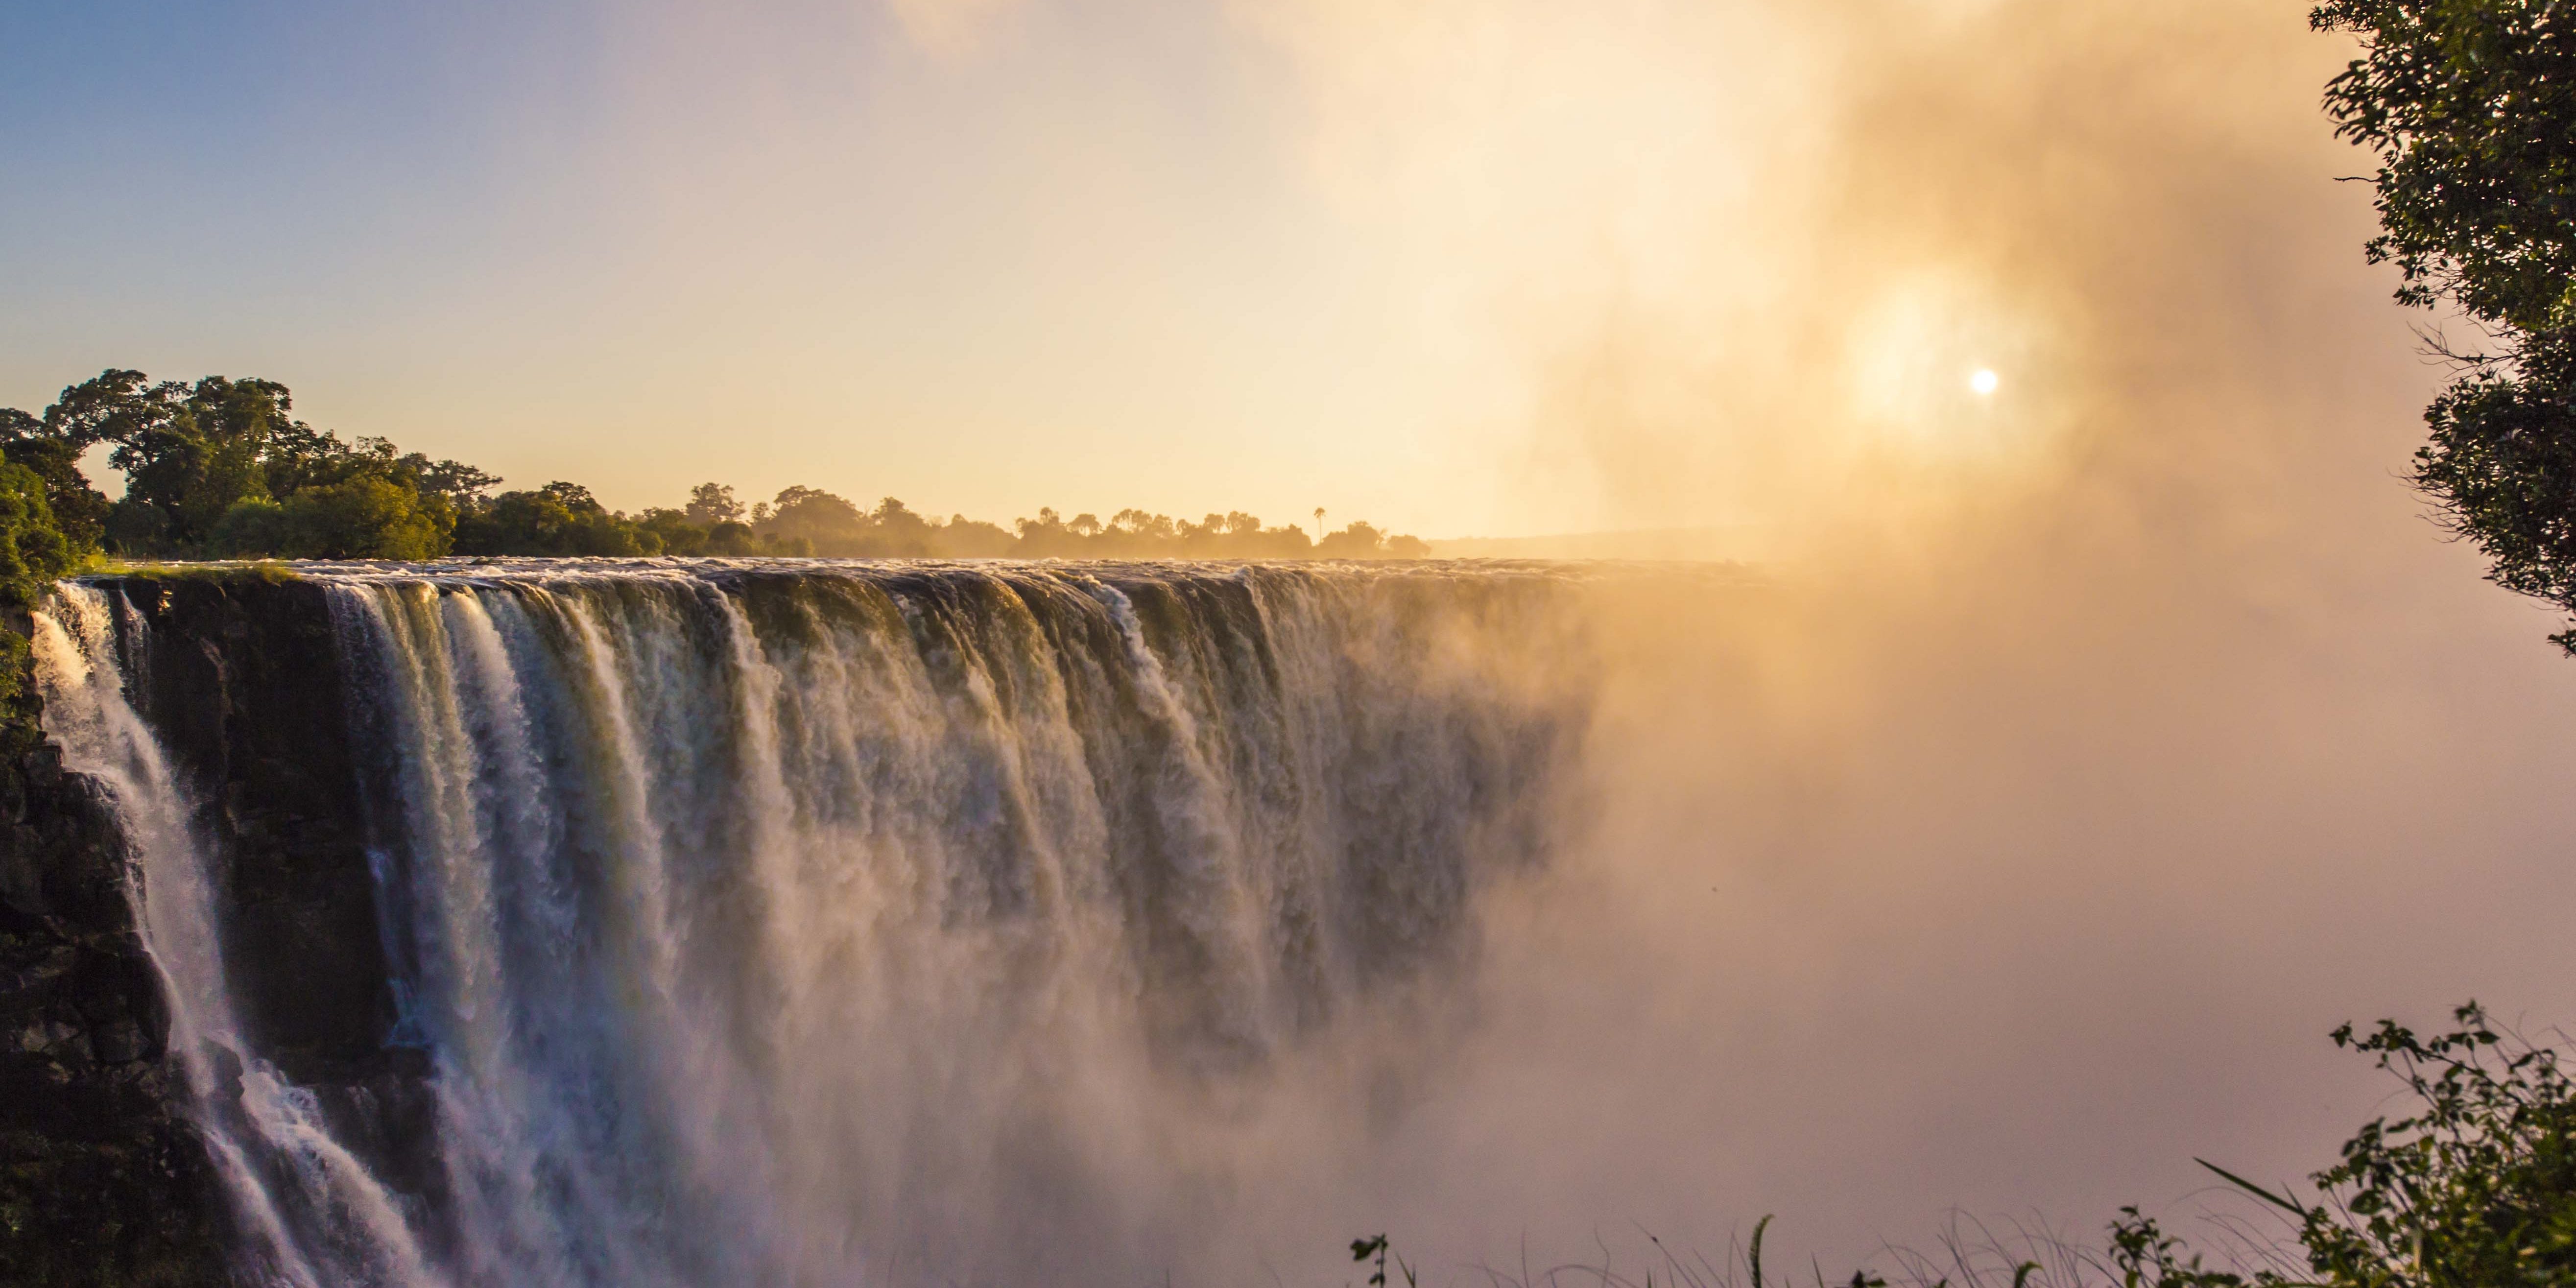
(1461, 268)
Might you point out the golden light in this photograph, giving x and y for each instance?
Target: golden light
(1984, 382)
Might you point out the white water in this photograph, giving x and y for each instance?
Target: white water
(848, 923)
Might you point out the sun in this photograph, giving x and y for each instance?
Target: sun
(1984, 382)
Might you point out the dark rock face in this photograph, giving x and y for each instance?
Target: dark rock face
(101, 1178)
(105, 1180)
(241, 679)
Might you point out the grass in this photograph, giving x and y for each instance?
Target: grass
(267, 570)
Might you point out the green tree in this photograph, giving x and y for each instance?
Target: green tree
(79, 511)
(360, 517)
(119, 407)
(462, 487)
(558, 519)
(223, 467)
(673, 529)
(2476, 1186)
(33, 552)
(256, 529)
(2466, 104)
(193, 452)
(368, 517)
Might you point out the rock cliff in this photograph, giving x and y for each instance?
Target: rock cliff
(105, 1180)
(101, 1179)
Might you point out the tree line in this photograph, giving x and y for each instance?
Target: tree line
(222, 469)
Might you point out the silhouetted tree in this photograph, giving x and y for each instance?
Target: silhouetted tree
(1358, 541)
(2466, 103)
(894, 530)
(965, 538)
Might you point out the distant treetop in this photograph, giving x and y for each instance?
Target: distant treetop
(221, 468)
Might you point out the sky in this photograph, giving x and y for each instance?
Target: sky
(1061, 255)
(1491, 268)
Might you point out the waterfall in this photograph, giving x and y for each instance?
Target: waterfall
(813, 923)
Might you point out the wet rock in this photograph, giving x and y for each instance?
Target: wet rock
(22, 876)
(102, 1179)
(120, 1042)
(26, 987)
(243, 683)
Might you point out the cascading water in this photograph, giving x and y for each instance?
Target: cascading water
(814, 923)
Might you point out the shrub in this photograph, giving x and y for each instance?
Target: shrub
(2475, 1188)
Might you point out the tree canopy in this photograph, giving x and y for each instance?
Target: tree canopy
(2470, 107)
(222, 468)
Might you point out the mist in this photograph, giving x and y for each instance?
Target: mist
(2013, 832)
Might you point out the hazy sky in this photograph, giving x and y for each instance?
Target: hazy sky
(1492, 267)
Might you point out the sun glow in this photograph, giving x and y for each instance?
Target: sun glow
(1925, 362)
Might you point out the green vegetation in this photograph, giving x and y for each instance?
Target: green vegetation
(34, 551)
(222, 469)
(2466, 104)
(2474, 1188)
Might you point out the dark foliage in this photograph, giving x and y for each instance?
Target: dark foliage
(2473, 1187)
(100, 1182)
(2470, 106)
